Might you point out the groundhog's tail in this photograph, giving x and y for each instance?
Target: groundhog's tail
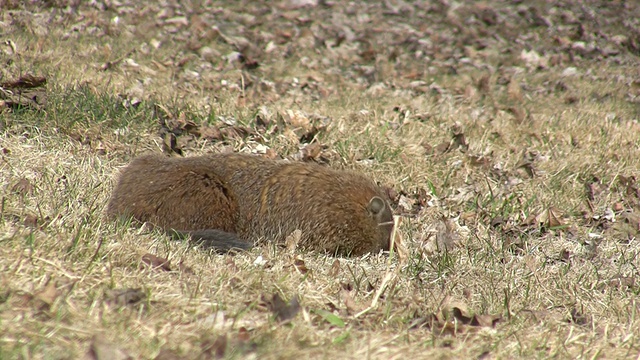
(218, 240)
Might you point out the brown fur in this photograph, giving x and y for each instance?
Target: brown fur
(338, 212)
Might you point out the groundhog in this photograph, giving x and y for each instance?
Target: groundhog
(230, 201)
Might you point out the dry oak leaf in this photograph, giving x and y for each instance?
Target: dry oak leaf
(215, 349)
(300, 266)
(23, 187)
(292, 240)
(335, 268)
(554, 218)
(124, 297)
(41, 300)
(462, 315)
(27, 81)
(48, 294)
(35, 99)
(282, 310)
(243, 334)
(448, 235)
(156, 262)
(623, 282)
(101, 349)
(310, 152)
(578, 317)
(167, 354)
(296, 119)
(631, 186)
(349, 302)
(549, 218)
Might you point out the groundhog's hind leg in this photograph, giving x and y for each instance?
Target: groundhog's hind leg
(219, 240)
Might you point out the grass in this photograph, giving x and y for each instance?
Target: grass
(515, 222)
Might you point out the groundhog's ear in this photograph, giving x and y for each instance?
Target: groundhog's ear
(376, 205)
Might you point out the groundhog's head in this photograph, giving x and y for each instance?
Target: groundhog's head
(381, 212)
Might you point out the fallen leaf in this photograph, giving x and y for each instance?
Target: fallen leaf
(577, 317)
(310, 135)
(485, 320)
(532, 59)
(497, 221)
(296, 119)
(554, 219)
(550, 218)
(406, 203)
(155, 262)
(23, 187)
(429, 321)
(170, 144)
(215, 349)
(292, 240)
(101, 349)
(459, 140)
(211, 133)
(282, 310)
(448, 235)
(236, 132)
(124, 297)
(461, 313)
(31, 99)
(45, 298)
(30, 221)
(623, 282)
(443, 147)
(519, 113)
(617, 207)
(243, 334)
(310, 152)
(632, 189)
(514, 91)
(335, 268)
(27, 81)
(167, 354)
(594, 188)
(300, 266)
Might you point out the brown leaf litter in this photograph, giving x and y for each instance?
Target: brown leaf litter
(282, 310)
(124, 297)
(26, 91)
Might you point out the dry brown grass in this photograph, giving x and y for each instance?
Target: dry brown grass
(538, 141)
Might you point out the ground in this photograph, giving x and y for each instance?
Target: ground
(506, 133)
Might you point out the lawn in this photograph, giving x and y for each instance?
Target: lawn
(506, 132)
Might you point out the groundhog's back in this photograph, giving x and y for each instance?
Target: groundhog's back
(174, 193)
(256, 198)
(330, 207)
